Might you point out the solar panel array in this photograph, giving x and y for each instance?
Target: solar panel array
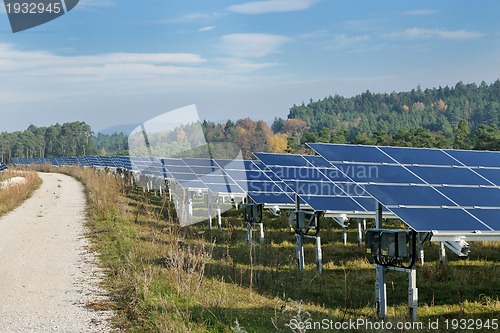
(429, 189)
(237, 177)
(2, 166)
(320, 185)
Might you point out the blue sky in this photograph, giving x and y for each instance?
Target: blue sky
(110, 62)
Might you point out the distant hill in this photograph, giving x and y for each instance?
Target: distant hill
(437, 109)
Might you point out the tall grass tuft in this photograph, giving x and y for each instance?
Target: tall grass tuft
(15, 194)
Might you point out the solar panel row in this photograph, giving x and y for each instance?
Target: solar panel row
(429, 189)
(2, 166)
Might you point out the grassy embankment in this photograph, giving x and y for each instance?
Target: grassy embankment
(12, 196)
(163, 278)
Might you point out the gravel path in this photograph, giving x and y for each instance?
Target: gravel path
(46, 274)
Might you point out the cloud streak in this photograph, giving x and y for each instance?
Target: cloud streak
(251, 45)
(271, 6)
(421, 33)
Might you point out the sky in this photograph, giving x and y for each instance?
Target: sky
(114, 62)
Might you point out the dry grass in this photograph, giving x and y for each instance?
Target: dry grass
(13, 196)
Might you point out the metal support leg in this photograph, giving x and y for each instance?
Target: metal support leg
(219, 218)
(412, 294)
(421, 253)
(261, 226)
(360, 234)
(299, 250)
(344, 235)
(442, 253)
(249, 232)
(319, 255)
(190, 209)
(364, 224)
(380, 292)
(209, 211)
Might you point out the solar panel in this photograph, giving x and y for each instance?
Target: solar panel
(351, 153)
(440, 219)
(421, 156)
(407, 195)
(2, 166)
(283, 160)
(312, 182)
(491, 175)
(448, 175)
(429, 189)
(332, 203)
(261, 185)
(489, 215)
(476, 158)
(367, 173)
(473, 196)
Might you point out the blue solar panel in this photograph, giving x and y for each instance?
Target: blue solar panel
(448, 175)
(473, 196)
(271, 198)
(317, 161)
(337, 203)
(491, 216)
(224, 188)
(407, 195)
(184, 176)
(492, 175)
(250, 175)
(204, 170)
(173, 161)
(282, 159)
(260, 186)
(314, 188)
(428, 219)
(367, 173)
(198, 161)
(423, 156)
(476, 158)
(193, 184)
(460, 179)
(300, 173)
(350, 153)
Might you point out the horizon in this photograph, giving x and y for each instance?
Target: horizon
(131, 126)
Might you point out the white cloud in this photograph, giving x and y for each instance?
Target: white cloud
(272, 6)
(420, 33)
(55, 76)
(203, 29)
(343, 41)
(251, 45)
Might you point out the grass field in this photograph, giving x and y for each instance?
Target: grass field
(163, 278)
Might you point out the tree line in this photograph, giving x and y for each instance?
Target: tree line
(466, 116)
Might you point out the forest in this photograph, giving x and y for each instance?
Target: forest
(466, 116)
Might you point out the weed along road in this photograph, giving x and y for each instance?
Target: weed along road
(47, 276)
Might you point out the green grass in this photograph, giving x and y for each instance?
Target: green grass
(163, 278)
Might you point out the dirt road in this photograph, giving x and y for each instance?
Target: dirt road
(46, 274)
